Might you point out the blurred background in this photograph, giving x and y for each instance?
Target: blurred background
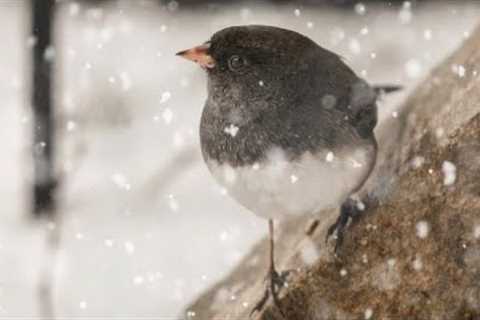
(136, 227)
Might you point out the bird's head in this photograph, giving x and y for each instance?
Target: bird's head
(254, 61)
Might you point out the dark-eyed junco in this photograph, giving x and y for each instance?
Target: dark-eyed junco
(287, 127)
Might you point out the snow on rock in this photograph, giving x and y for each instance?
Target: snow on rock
(417, 162)
(386, 276)
(449, 173)
(423, 229)
(309, 253)
(417, 264)
(368, 314)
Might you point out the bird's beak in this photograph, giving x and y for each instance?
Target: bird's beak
(199, 55)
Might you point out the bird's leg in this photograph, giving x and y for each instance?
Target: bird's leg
(275, 281)
(350, 210)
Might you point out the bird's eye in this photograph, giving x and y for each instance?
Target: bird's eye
(236, 63)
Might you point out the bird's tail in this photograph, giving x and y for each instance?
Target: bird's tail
(385, 89)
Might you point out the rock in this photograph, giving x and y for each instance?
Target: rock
(415, 254)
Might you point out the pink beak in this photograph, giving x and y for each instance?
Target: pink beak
(199, 55)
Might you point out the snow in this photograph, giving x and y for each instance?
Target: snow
(231, 130)
(459, 70)
(309, 253)
(129, 247)
(413, 68)
(165, 97)
(368, 313)
(476, 231)
(417, 264)
(427, 34)
(449, 173)
(293, 178)
(167, 115)
(136, 233)
(360, 8)
(329, 156)
(423, 229)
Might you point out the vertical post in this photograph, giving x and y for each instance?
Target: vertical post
(43, 114)
(44, 177)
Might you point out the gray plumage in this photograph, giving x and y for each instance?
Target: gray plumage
(287, 92)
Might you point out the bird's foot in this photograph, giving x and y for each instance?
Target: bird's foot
(349, 211)
(275, 282)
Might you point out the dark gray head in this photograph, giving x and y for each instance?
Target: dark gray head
(276, 82)
(254, 68)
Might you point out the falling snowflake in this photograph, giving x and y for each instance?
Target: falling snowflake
(360, 9)
(427, 34)
(138, 280)
(423, 229)
(231, 130)
(165, 97)
(126, 81)
(74, 9)
(354, 46)
(172, 203)
(121, 181)
(129, 247)
(449, 173)
(49, 54)
(71, 125)
(293, 178)
(405, 14)
(476, 231)
(83, 305)
(329, 156)
(167, 115)
(459, 70)
(368, 313)
(413, 68)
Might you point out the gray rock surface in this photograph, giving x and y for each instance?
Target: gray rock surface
(415, 254)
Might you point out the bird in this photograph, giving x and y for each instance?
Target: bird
(287, 128)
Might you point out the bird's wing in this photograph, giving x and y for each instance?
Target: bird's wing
(362, 108)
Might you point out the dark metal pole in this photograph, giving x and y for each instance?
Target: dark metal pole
(43, 113)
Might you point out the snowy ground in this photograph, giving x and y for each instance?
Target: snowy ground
(145, 228)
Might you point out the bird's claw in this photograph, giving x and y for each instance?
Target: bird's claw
(338, 228)
(348, 211)
(275, 282)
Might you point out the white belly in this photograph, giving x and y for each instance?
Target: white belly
(279, 189)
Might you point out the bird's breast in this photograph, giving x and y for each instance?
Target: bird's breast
(277, 187)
